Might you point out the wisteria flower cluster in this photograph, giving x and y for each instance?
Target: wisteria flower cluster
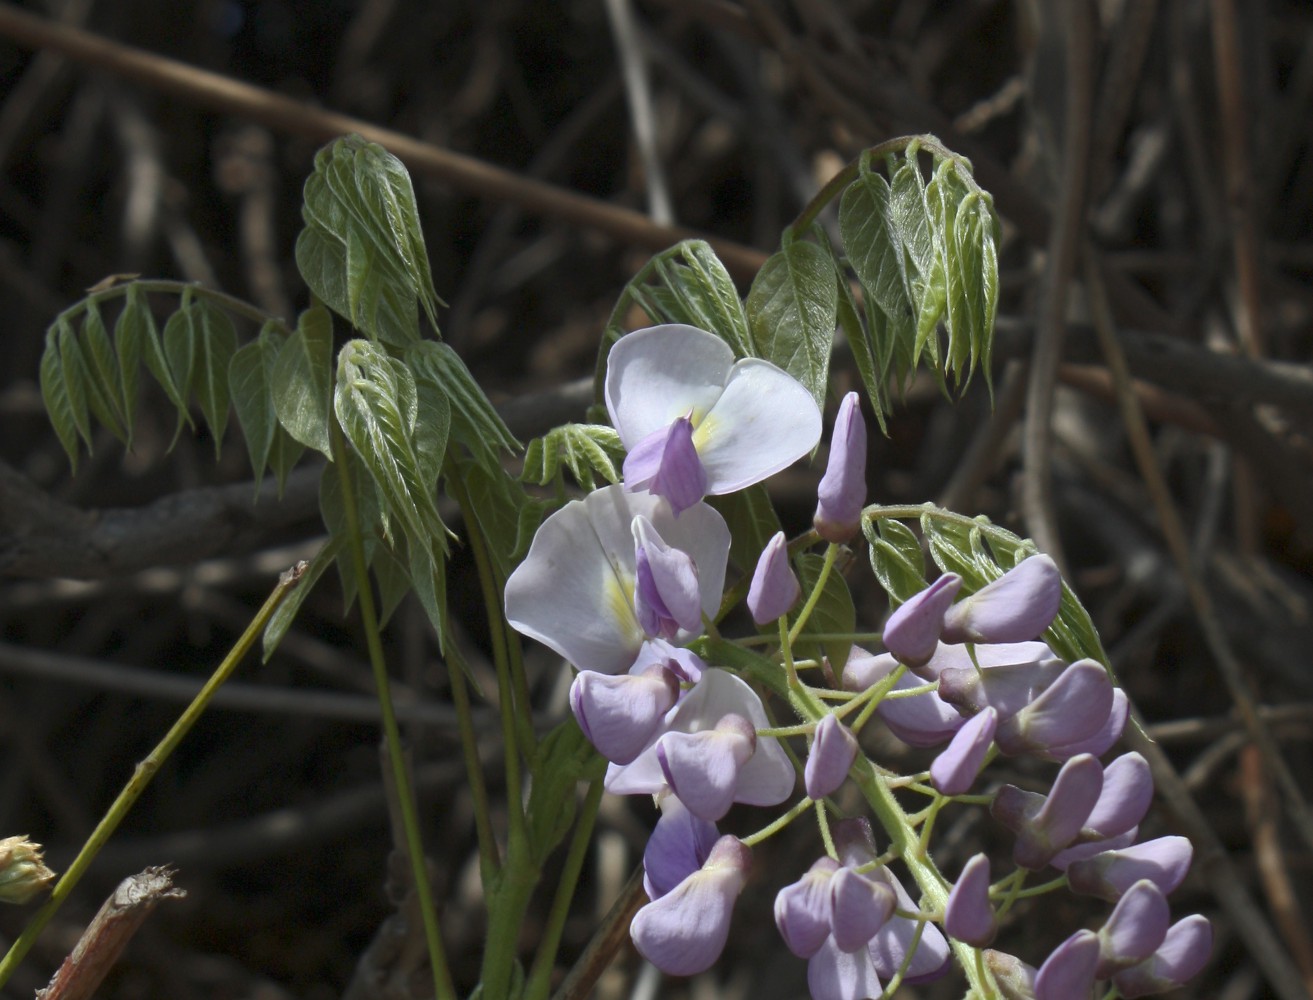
(622, 583)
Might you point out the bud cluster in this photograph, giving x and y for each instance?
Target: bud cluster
(621, 582)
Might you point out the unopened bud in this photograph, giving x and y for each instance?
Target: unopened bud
(22, 872)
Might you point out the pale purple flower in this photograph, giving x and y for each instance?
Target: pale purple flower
(1007, 687)
(746, 419)
(833, 751)
(842, 490)
(1045, 824)
(955, 769)
(834, 974)
(1134, 929)
(968, 914)
(1075, 706)
(1101, 742)
(621, 713)
(912, 632)
(1089, 848)
(1125, 799)
(667, 598)
(1164, 861)
(575, 589)
(702, 768)
(861, 906)
(803, 909)
(1068, 973)
(766, 778)
(922, 720)
(1017, 606)
(774, 589)
(1181, 957)
(684, 931)
(679, 846)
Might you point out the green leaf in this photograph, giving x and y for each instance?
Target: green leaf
(584, 449)
(792, 309)
(706, 294)
(137, 313)
(428, 575)
(250, 381)
(474, 421)
(431, 428)
(284, 453)
(834, 612)
(496, 501)
(302, 380)
(563, 759)
(180, 348)
(104, 393)
(752, 523)
(332, 509)
(129, 346)
(393, 581)
(362, 250)
(282, 618)
(873, 244)
(376, 404)
(896, 557)
(216, 343)
(55, 395)
(74, 370)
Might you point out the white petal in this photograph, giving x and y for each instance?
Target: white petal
(763, 422)
(663, 372)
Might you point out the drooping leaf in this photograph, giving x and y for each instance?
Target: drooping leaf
(250, 382)
(284, 453)
(55, 395)
(474, 421)
(216, 343)
(587, 450)
(74, 370)
(377, 406)
(129, 347)
(302, 380)
(792, 309)
(104, 394)
(834, 613)
(137, 313)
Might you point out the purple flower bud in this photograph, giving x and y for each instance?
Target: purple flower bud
(620, 714)
(774, 588)
(1186, 950)
(685, 664)
(1073, 707)
(803, 908)
(1088, 849)
(666, 464)
(1019, 605)
(1044, 825)
(969, 915)
(1068, 973)
(667, 596)
(679, 846)
(1164, 862)
(923, 720)
(833, 751)
(1016, 979)
(834, 974)
(954, 770)
(912, 632)
(1135, 929)
(861, 905)
(1126, 797)
(842, 490)
(986, 657)
(1102, 741)
(683, 932)
(703, 768)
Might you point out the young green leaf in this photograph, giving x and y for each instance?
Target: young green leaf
(216, 343)
(474, 422)
(104, 394)
(302, 380)
(587, 450)
(74, 370)
(55, 395)
(137, 314)
(792, 310)
(896, 557)
(250, 382)
(129, 346)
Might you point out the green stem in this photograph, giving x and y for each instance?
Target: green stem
(544, 960)
(143, 774)
(443, 987)
(814, 598)
(489, 861)
(778, 823)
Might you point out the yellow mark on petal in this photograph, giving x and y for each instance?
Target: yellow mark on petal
(618, 600)
(703, 430)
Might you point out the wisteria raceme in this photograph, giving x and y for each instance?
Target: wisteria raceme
(623, 582)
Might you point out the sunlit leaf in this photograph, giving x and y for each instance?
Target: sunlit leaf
(896, 557)
(302, 380)
(474, 421)
(792, 309)
(587, 450)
